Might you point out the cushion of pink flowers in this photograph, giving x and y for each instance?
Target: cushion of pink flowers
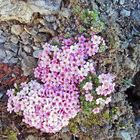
(49, 106)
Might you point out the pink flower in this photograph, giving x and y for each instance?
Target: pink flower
(100, 90)
(89, 97)
(88, 86)
(68, 42)
(10, 92)
(81, 39)
(96, 39)
(96, 110)
(106, 78)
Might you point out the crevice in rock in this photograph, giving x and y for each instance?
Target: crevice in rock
(133, 98)
(133, 93)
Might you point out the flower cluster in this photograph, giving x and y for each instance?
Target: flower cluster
(98, 95)
(68, 64)
(48, 112)
(50, 104)
(107, 86)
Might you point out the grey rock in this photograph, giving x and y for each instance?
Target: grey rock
(2, 54)
(113, 16)
(14, 48)
(40, 38)
(13, 60)
(84, 1)
(110, 11)
(124, 44)
(14, 39)
(55, 26)
(65, 129)
(9, 54)
(125, 135)
(1, 94)
(37, 47)
(31, 137)
(65, 12)
(33, 31)
(1, 32)
(28, 63)
(23, 11)
(48, 30)
(25, 37)
(122, 2)
(129, 64)
(135, 31)
(94, 5)
(125, 13)
(64, 136)
(136, 16)
(11, 46)
(27, 48)
(10, 61)
(36, 53)
(2, 39)
(52, 5)
(50, 18)
(16, 29)
(21, 53)
(5, 61)
(115, 1)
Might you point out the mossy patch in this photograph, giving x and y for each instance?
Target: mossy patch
(10, 134)
(88, 19)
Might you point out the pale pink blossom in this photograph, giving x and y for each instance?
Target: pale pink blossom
(106, 78)
(96, 110)
(88, 86)
(96, 39)
(89, 97)
(100, 90)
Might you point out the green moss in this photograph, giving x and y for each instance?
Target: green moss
(12, 136)
(112, 36)
(106, 115)
(114, 110)
(88, 119)
(84, 119)
(87, 106)
(81, 29)
(73, 127)
(89, 18)
(92, 119)
(67, 35)
(76, 10)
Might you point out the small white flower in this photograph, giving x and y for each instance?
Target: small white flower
(100, 101)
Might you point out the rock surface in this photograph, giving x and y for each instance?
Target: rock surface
(28, 63)
(23, 11)
(16, 29)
